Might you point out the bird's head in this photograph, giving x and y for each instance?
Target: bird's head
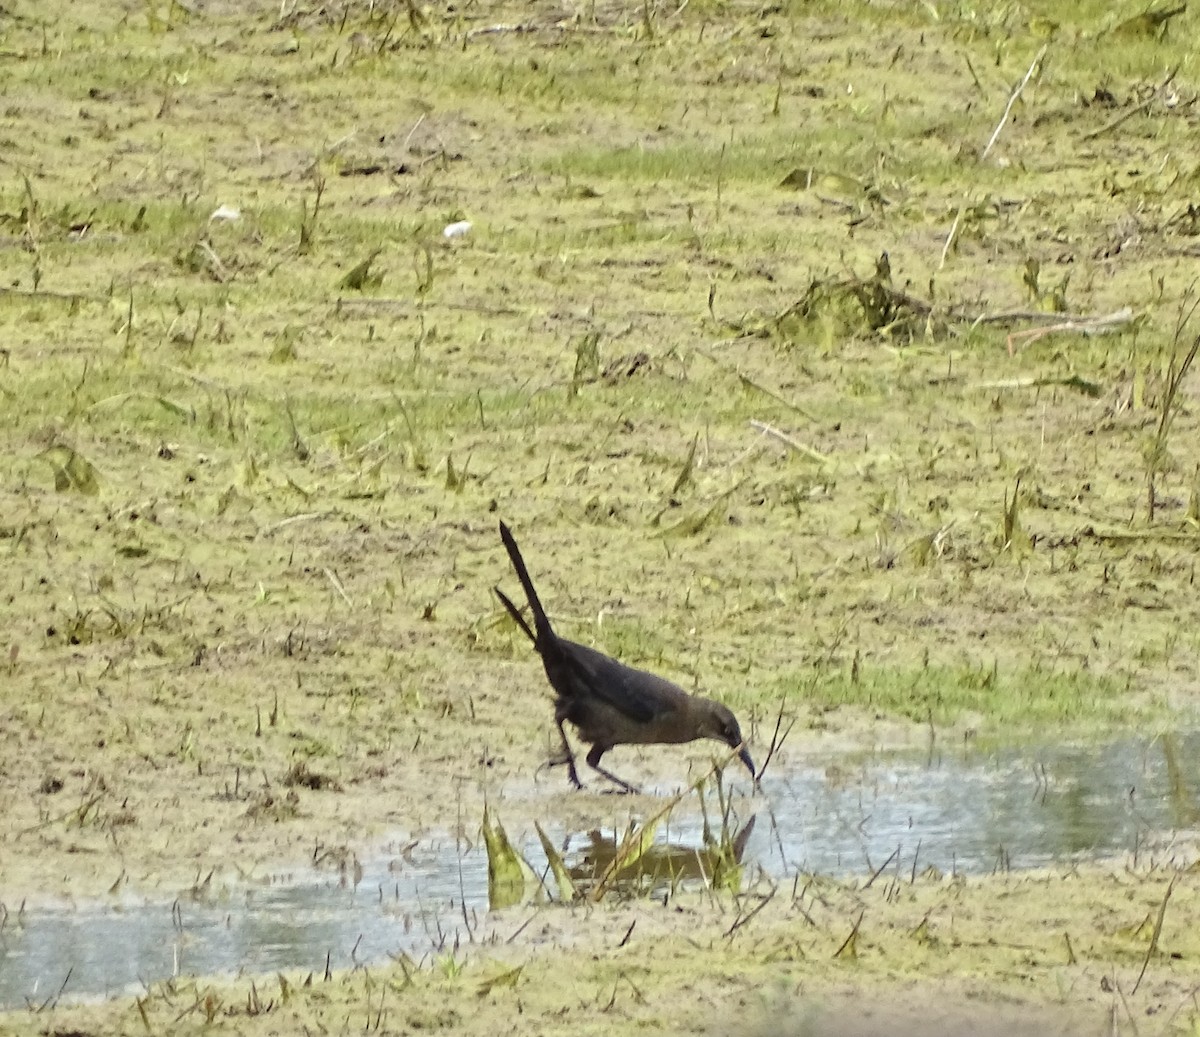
(719, 723)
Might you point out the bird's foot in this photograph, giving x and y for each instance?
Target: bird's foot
(623, 787)
(572, 773)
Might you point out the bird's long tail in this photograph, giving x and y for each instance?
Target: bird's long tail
(515, 612)
(541, 623)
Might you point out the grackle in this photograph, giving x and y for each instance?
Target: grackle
(608, 702)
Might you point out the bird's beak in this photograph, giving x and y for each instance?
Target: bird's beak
(744, 756)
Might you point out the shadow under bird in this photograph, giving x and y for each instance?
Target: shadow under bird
(608, 702)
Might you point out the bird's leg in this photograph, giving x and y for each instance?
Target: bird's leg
(593, 759)
(568, 756)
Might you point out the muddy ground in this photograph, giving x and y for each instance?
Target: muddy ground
(1064, 953)
(251, 480)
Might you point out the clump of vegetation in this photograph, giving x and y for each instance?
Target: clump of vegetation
(637, 864)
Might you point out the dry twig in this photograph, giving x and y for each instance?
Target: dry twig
(1013, 100)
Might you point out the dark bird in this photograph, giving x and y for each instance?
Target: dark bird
(608, 702)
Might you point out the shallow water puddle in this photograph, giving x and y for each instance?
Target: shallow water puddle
(964, 811)
(974, 812)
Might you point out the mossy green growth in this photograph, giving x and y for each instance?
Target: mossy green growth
(1021, 699)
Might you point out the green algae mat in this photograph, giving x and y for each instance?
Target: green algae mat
(831, 359)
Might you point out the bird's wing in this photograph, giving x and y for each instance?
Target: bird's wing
(636, 694)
